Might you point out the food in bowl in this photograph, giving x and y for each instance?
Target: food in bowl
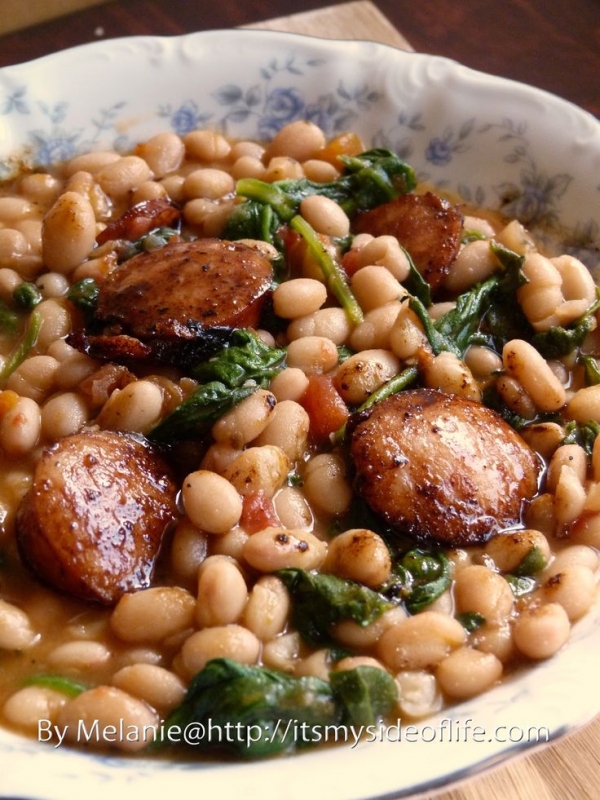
(279, 421)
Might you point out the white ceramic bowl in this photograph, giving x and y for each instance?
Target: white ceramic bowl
(494, 142)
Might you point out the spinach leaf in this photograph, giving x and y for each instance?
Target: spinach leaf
(471, 620)
(483, 314)
(415, 284)
(23, 346)
(253, 220)
(520, 584)
(153, 240)
(369, 179)
(582, 433)
(245, 358)
(9, 319)
(256, 712)
(558, 341)
(367, 694)
(253, 711)
(533, 561)
(235, 373)
(84, 294)
(27, 296)
(591, 370)
(418, 578)
(321, 600)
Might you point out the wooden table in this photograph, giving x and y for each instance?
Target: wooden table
(553, 44)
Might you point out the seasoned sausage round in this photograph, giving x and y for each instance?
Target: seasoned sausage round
(92, 523)
(441, 467)
(426, 225)
(179, 303)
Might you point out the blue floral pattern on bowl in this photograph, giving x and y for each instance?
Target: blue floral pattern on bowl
(300, 79)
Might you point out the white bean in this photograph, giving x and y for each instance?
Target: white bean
(325, 215)
(26, 707)
(211, 502)
(69, 233)
(374, 286)
(301, 140)
(246, 420)
(526, 365)
(225, 641)
(312, 354)
(63, 415)
(222, 592)
(418, 693)
(20, 426)
(111, 711)
(574, 588)
(473, 264)
(258, 469)
(467, 672)
(451, 375)
(326, 483)
(267, 608)
(159, 687)
(80, 655)
(328, 323)
(362, 373)
(421, 641)
(278, 548)
(540, 631)
(287, 429)
(298, 297)
(16, 631)
(123, 176)
(136, 408)
(153, 615)
(480, 590)
(359, 555)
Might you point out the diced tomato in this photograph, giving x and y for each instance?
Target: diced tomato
(324, 405)
(350, 262)
(258, 513)
(346, 144)
(295, 249)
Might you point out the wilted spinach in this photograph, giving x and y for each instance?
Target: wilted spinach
(320, 600)
(418, 578)
(256, 712)
(235, 373)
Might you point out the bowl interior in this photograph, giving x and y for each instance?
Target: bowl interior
(492, 142)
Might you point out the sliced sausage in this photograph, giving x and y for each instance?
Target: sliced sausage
(140, 220)
(92, 523)
(441, 467)
(179, 303)
(426, 225)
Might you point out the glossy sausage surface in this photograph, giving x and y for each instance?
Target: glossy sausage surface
(443, 468)
(93, 521)
(427, 226)
(178, 303)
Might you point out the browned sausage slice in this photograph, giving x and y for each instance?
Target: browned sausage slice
(426, 225)
(141, 219)
(441, 467)
(92, 523)
(179, 303)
